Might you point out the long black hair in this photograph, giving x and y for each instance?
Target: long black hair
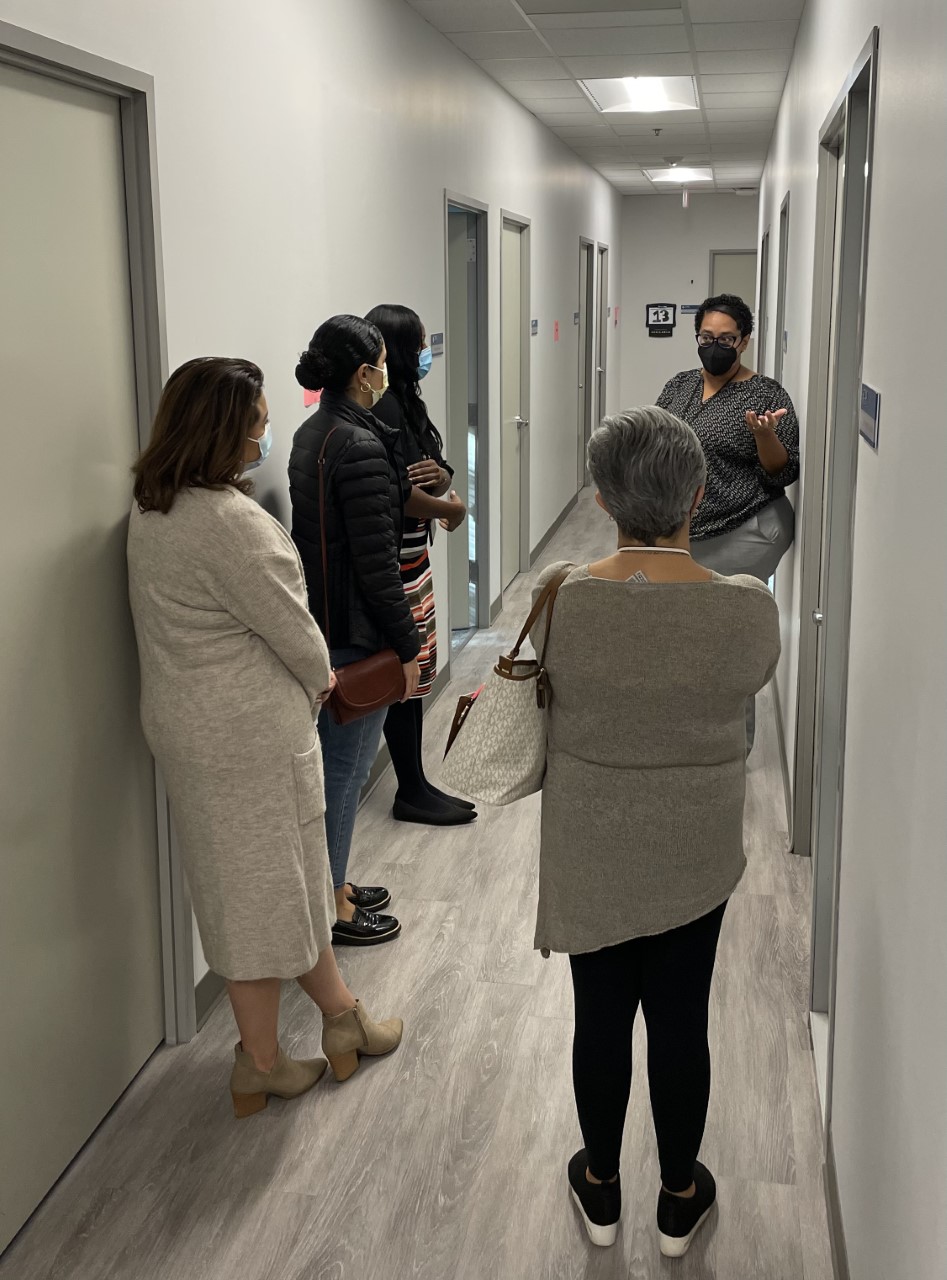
(337, 348)
(403, 333)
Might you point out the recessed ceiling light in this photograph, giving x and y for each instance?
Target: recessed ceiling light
(680, 175)
(643, 93)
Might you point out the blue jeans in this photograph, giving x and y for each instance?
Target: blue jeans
(348, 753)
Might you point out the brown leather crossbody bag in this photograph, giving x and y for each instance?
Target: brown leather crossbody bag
(371, 683)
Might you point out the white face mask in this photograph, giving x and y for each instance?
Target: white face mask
(378, 392)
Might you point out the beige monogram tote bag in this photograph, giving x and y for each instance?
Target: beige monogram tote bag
(496, 751)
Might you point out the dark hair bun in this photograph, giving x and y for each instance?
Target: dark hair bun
(312, 370)
(337, 349)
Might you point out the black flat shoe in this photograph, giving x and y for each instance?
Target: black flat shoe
(444, 815)
(365, 929)
(448, 799)
(679, 1220)
(369, 899)
(598, 1203)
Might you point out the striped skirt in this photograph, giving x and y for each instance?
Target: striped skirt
(418, 584)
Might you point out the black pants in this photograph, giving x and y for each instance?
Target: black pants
(669, 974)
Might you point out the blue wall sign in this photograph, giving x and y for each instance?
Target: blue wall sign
(869, 417)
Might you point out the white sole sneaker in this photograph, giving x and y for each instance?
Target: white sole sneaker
(602, 1236)
(677, 1246)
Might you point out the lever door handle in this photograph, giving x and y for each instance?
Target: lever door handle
(818, 617)
(521, 422)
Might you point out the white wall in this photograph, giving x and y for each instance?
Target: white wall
(889, 1094)
(666, 258)
(303, 151)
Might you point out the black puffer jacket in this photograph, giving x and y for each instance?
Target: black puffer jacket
(365, 489)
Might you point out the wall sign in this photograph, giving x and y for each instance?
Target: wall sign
(661, 317)
(575, 317)
(617, 313)
(533, 327)
(690, 308)
(437, 344)
(869, 417)
(555, 331)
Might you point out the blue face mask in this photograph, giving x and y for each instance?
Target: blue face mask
(265, 443)
(425, 360)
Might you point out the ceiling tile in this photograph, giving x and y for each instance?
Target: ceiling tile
(618, 40)
(744, 61)
(742, 129)
(499, 44)
(727, 36)
(626, 18)
(589, 128)
(459, 15)
(764, 102)
(745, 114)
(639, 126)
(553, 120)
(600, 6)
(565, 107)
(739, 11)
(631, 64)
(525, 69)
(765, 82)
(534, 89)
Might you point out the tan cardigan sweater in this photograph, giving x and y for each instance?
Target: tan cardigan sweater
(642, 821)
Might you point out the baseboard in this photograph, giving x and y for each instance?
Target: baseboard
(783, 760)
(206, 995)
(834, 1212)
(496, 608)
(383, 759)
(553, 530)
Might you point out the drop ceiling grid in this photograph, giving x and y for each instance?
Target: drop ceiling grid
(538, 49)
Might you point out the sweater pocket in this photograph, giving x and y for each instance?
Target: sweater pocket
(310, 789)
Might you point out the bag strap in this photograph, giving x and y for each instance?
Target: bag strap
(545, 604)
(322, 531)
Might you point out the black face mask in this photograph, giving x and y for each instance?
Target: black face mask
(717, 360)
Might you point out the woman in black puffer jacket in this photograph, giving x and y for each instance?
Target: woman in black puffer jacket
(366, 486)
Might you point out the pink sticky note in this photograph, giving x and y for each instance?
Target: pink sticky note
(555, 332)
(311, 397)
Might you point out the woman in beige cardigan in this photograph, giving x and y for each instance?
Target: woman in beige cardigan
(651, 659)
(233, 670)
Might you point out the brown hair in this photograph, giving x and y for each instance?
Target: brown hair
(206, 411)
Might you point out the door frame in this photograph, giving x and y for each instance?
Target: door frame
(762, 307)
(525, 231)
(586, 387)
(855, 107)
(600, 345)
(457, 200)
(782, 271)
(135, 93)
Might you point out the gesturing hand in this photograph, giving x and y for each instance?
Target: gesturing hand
(426, 474)
(766, 421)
(457, 516)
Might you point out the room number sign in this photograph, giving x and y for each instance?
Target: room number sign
(661, 317)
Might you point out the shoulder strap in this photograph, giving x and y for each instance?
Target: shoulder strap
(322, 531)
(545, 604)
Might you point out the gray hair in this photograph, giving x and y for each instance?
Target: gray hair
(648, 466)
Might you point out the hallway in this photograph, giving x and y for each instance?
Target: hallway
(448, 1160)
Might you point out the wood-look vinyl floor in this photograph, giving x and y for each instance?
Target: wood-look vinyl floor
(447, 1160)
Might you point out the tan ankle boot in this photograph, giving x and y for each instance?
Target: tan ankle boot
(354, 1032)
(250, 1087)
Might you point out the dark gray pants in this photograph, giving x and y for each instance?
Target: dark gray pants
(755, 548)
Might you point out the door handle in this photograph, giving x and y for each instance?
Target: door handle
(600, 369)
(818, 617)
(521, 422)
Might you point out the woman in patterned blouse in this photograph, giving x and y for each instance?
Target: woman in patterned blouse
(748, 428)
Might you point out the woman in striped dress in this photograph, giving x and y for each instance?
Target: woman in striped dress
(409, 359)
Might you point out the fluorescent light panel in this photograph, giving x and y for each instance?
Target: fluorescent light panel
(643, 93)
(680, 175)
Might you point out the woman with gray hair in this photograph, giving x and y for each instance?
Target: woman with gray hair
(651, 658)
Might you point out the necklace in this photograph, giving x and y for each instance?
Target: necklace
(674, 551)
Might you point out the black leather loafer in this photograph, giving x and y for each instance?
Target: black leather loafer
(444, 815)
(365, 929)
(369, 899)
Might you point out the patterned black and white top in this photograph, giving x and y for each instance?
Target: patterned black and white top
(738, 486)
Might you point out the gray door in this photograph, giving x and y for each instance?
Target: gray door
(781, 283)
(80, 971)
(735, 273)
(514, 381)
(601, 348)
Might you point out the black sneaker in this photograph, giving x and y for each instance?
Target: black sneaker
(365, 929)
(599, 1205)
(369, 899)
(679, 1220)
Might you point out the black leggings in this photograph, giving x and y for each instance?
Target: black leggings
(669, 974)
(403, 736)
